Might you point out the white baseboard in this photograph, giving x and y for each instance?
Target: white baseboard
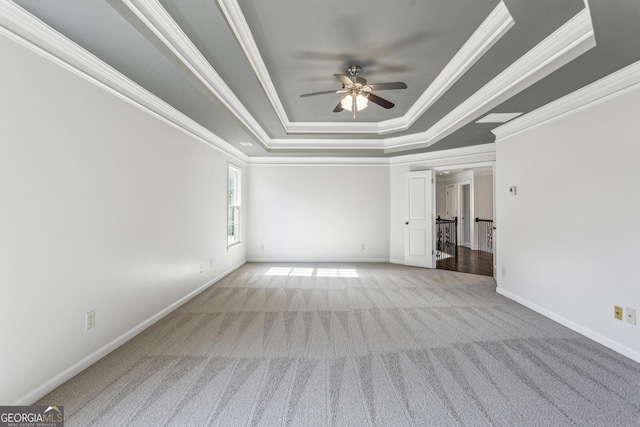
(601, 339)
(306, 259)
(396, 261)
(40, 391)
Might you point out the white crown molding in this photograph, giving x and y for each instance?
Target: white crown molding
(482, 155)
(472, 156)
(569, 41)
(332, 127)
(319, 161)
(319, 144)
(614, 84)
(565, 44)
(490, 31)
(25, 29)
(158, 20)
(238, 24)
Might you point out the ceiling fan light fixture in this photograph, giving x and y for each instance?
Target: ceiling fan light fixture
(361, 102)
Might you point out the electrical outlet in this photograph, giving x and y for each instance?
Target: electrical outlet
(201, 268)
(210, 263)
(631, 315)
(504, 270)
(261, 247)
(362, 246)
(90, 320)
(617, 312)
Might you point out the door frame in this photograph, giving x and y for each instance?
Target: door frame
(471, 166)
(472, 240)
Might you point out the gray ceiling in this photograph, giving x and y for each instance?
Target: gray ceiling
(300, 45)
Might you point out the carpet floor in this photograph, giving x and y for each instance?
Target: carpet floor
(354, 345)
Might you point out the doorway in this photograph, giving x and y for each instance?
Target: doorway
(464, 195)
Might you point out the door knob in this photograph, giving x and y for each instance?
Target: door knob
(406, 223)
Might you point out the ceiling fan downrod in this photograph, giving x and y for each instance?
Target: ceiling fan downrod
(354, 70)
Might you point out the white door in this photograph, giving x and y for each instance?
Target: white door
(419, 228)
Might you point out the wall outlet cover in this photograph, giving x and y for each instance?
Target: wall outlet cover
(631, 315)
(617, 312)
(90, 320)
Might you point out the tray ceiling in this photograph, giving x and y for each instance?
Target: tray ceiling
(236, 68)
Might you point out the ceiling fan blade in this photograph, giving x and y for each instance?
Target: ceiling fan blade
(323, 92)
(344, 79)
(361, 80)
(380, 101)
(386, 86)
(338, 107)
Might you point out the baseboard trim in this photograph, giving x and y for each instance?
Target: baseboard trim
(40, 391)
(601, 339)
(315, 259)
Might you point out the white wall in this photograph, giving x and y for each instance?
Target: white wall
(319, 212)
(483, 194)
(569, 238)
(441, 198)
(102, 207)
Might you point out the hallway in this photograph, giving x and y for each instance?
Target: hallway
(468, 261)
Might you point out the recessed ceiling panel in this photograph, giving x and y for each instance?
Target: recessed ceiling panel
(304, 43)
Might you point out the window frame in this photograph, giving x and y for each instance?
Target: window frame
(234, 204)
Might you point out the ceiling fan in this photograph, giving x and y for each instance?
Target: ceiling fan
(358, 92)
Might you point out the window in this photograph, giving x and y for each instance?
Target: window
(233, 206)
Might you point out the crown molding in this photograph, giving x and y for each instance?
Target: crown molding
(235, 18)
(474, 155)
(319, 161)
(565, 44)
(158, 20)
(490, 31)
(621, 81)
(25, 29)
(320, 144)
(569, 41)
(482, 155)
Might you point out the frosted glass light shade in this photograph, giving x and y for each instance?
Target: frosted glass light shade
(361, 102)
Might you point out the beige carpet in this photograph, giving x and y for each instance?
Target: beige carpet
(354, 345)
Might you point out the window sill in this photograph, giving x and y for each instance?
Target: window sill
(233, 244)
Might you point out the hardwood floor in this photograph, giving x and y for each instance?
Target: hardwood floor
(468, 261)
